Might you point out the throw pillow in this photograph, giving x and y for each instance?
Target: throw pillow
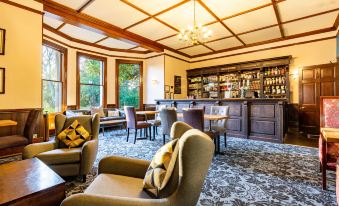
(111, 113)
(161, 167)
(98, 110)
(74, 135)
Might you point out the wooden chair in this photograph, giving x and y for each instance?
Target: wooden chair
(133, 123)
(329, 131)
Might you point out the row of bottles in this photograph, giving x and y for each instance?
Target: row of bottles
(210, 79)
(194, 86)
(254, 85)
(229, 77)
(250, 75)
(275, 71)
(275, 80)
(195, 79)
(275, 90)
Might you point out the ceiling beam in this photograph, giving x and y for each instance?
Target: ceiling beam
(71, 16)
(61, 25)
(219, 20)
(336, 22)
(83, 7)
(278, 17)
(59, 33)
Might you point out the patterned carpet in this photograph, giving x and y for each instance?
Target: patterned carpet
(250, 172)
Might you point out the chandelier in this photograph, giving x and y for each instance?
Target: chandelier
(194, 34)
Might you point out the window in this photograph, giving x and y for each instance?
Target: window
(53, 78)
(129, 84)
(91, 90)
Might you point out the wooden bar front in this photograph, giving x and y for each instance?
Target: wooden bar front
(258, 119)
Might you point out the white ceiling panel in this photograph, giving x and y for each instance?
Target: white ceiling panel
(224, 43)
(173, 42)
(80, 33)
(114, 43)
(253, 20)
(182, 16)
(152, 29)
(52, 22)
(114, 12)
(218, 31)
(139, 49)
(200, 49)
(261, 35)
(310, 24)
(224, 8)
(154, 6)
(293, 9)
(72, 4)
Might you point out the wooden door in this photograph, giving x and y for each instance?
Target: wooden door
(315, 81)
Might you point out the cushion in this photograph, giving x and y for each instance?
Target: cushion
(161, 167)
(60, 156)
(111, 113)
(74, 135)
(12, 141)
(117, 185)
(98, 110)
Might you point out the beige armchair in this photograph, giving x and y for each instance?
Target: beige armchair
(61, 159)
(120, 179)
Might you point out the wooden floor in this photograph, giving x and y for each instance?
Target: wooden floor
(295, 137)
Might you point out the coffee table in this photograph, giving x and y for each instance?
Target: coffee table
(30, 182)
(110, 123)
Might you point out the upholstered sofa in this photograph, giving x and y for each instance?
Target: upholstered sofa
(88, 112)
(63, 160)
(120, 179)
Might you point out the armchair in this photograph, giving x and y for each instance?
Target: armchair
(120, 179)
(329, 126)
(63, 160)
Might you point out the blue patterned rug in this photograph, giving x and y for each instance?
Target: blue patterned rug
(250, 172)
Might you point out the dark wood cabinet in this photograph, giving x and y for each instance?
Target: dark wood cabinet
(315, 81)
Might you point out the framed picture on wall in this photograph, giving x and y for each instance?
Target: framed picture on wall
(177, 84)
(2, 80)
(2, 41)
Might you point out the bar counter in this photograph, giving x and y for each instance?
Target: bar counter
(257, 119)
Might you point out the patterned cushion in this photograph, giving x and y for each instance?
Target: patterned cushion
(98, 110)
(331, 113)
(161, 167)
(74, 135)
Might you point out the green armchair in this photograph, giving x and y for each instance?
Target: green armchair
(120, 179)
(63, 160)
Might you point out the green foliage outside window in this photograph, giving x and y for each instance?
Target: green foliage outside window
(51, 83)
(91, 82)
(129, 85)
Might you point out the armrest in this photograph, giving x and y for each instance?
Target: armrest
(88, 155)
(32, 150)
(105, 200)
(123, 166)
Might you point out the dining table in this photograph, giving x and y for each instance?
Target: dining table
(7, 122)
(209, 117)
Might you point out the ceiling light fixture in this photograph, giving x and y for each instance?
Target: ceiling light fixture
(196, 34)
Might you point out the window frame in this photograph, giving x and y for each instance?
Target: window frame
(63, 73)
(117, 95)
(104, 80)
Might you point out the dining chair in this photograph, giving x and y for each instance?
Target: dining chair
(167, 116)
(133, 123)
(195, 118)
(220, 126)
(329, 118)
(156, 122)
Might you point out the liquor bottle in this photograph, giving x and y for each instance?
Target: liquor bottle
(283, 90)
(273, 80)
(278, 89)
(273, 90)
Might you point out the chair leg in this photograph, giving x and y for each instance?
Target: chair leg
(84, 177)
(324, 181)
(103, 131)
(156, 130)
(140, 132)
(163, 139)
(135, 135)
(225, 139)
(127, 134)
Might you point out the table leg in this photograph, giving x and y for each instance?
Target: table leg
(210, 125)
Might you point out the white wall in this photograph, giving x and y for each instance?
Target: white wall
(177, 67)
(22, 59)
(154, 79)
